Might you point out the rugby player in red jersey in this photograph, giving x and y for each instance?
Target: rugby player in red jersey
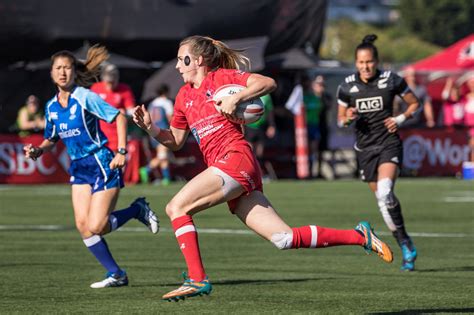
(233, 174)
(117, 94)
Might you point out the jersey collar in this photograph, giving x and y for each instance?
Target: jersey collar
(375, 77)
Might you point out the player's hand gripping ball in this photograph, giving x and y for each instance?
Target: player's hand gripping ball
(246, 112)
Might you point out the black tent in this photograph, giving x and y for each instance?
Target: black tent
(151, 29)
(119, 60)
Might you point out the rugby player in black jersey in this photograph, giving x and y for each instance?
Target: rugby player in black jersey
(366, 97)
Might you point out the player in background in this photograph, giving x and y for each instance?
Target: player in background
(72, 115)
(367, 97)
(161, 111)
(118, 95)
(233, 174)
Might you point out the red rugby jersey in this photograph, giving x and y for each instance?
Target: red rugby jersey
(192, 111)
(121, 98)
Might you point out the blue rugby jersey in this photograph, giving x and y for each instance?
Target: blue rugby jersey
(77, 124)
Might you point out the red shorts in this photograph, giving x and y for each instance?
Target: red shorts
(240, 164)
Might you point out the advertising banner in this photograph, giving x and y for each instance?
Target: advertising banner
(434, 152)
(16, 169)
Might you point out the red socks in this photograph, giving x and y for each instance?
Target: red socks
(186, 235)
(316, 236)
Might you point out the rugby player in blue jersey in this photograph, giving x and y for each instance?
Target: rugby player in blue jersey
(96, 179)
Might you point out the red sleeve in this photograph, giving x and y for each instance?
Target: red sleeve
(179, 120)
(128, 98)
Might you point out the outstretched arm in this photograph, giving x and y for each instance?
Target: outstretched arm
(172, 138)
(34, 152)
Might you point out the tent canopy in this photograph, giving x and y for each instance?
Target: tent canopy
(456, 61)
(116, 59)
(458, 57)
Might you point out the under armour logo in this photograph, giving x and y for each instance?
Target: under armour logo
(189, 104)
(183, 246)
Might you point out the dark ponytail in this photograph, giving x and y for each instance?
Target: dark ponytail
(368, 43)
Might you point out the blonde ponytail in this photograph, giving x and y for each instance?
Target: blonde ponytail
(215, 53)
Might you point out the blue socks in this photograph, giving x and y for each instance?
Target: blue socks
(120, 217)
(165, 172)
(98, 247)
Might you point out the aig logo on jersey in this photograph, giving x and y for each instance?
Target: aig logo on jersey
(370, 104)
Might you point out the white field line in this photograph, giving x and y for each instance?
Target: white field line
(459, 199)
(205, 231)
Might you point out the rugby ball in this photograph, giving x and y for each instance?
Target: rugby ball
(246, 112)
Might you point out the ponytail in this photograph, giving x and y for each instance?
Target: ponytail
(215, 53)
(368, 43)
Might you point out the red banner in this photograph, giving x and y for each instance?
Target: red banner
(434, 152)
(16, 169)
(52, 166)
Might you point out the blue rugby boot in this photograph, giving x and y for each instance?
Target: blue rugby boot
(116, 279)
(409, 255)
(146, 215)
(189, 288)
(373, 243)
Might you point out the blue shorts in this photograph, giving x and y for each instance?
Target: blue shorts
(314, 134)
(94, 170)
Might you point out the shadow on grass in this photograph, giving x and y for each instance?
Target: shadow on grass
(428, 311)
(238, 282)
(447, 269)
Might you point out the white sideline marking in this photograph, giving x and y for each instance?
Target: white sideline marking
(204, 231)
(459, 199)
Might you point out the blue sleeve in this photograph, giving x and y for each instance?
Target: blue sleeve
(50, 132)
(100, 108)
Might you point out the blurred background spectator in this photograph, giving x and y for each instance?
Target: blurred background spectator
(258, 134)
(30, 117)
(117, 94)
(452, 109)
(468, 101)
(424, 117)
(319, 89)
(161, 110)
(313, 107)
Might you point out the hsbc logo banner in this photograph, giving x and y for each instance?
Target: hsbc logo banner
(369, 104)
(434, 152)
(16, 169)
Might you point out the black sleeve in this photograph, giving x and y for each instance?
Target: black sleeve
(343, 97)
(399, 84)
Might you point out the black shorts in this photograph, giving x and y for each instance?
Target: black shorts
(369, 160)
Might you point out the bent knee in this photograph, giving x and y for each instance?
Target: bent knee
(82, 227)
(97, 228)
(282, 240)
(174, 209)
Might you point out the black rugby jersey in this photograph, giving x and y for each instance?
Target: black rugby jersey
(374, 103)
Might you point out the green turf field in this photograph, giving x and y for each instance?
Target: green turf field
(45, 268)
